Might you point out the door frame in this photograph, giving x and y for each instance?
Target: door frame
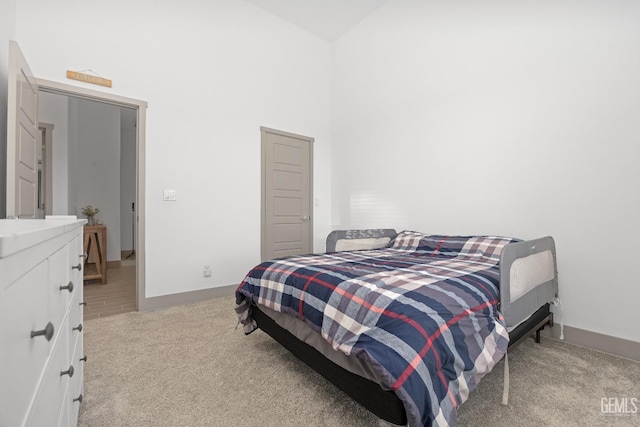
(263, 195)
(46, 131)
(141, 107)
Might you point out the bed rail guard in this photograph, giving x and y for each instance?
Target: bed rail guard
(351, 240)
(528, 278)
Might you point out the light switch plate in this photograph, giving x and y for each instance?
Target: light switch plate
(169, 195)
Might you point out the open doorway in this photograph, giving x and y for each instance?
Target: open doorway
(91, 161)
(96, 160)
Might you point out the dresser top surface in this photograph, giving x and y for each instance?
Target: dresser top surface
(19, 234)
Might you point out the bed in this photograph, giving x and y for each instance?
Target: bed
(406, 324)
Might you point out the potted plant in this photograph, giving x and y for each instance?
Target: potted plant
(90, 212)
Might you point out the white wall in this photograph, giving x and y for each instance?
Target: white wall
(54, 109)
(95, 138)
(212, 74)
(509, 118)
(7, 32)
(515, 118)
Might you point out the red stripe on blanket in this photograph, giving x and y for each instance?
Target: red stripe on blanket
(304, 289)
(435, 251)
(416, 360)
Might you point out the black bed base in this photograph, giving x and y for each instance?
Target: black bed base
(382, 403)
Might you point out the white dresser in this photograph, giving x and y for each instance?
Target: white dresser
(41, 306)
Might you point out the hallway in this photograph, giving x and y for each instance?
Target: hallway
(117, 296)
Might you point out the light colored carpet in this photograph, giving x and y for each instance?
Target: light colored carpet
(188, 366)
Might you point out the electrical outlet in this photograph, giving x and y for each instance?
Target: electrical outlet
(207, 270)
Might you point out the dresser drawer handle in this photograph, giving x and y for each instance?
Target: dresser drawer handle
(78, 328)
(83, 303)
(83, 359)
(77, 267)
(47, 332)
(78, 399)
(84, 255)
(69, 287)
(67, 372)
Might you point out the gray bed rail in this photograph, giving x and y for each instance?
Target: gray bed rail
(341, 240)
(528, 278)
(528, 269)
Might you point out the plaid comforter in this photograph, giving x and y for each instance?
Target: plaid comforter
(422, 312)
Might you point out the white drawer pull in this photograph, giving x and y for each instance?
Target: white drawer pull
(47, 332)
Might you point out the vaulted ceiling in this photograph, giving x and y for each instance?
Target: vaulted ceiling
(327, 19)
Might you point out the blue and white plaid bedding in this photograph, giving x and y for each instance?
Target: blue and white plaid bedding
(422, 312)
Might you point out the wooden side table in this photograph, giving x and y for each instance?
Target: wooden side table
(95, 246)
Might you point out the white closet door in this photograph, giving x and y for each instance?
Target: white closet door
(22, 128)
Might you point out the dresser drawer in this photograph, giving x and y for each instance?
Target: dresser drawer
(65, 421)
(76, 261)
(23, 309)
(76, 386)
(75, 320)
(50, 397)
(59, 278)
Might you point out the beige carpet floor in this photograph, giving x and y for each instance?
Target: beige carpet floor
(188, 366)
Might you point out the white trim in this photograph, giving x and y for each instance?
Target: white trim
(82, 92)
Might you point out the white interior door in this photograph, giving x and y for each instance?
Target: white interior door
(22, 128)
(286, 178)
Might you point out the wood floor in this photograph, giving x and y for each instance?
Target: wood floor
(117, 296)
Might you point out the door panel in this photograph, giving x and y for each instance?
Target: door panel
(283, 206)
(286, 180)
(22, 128)
(287, 154)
